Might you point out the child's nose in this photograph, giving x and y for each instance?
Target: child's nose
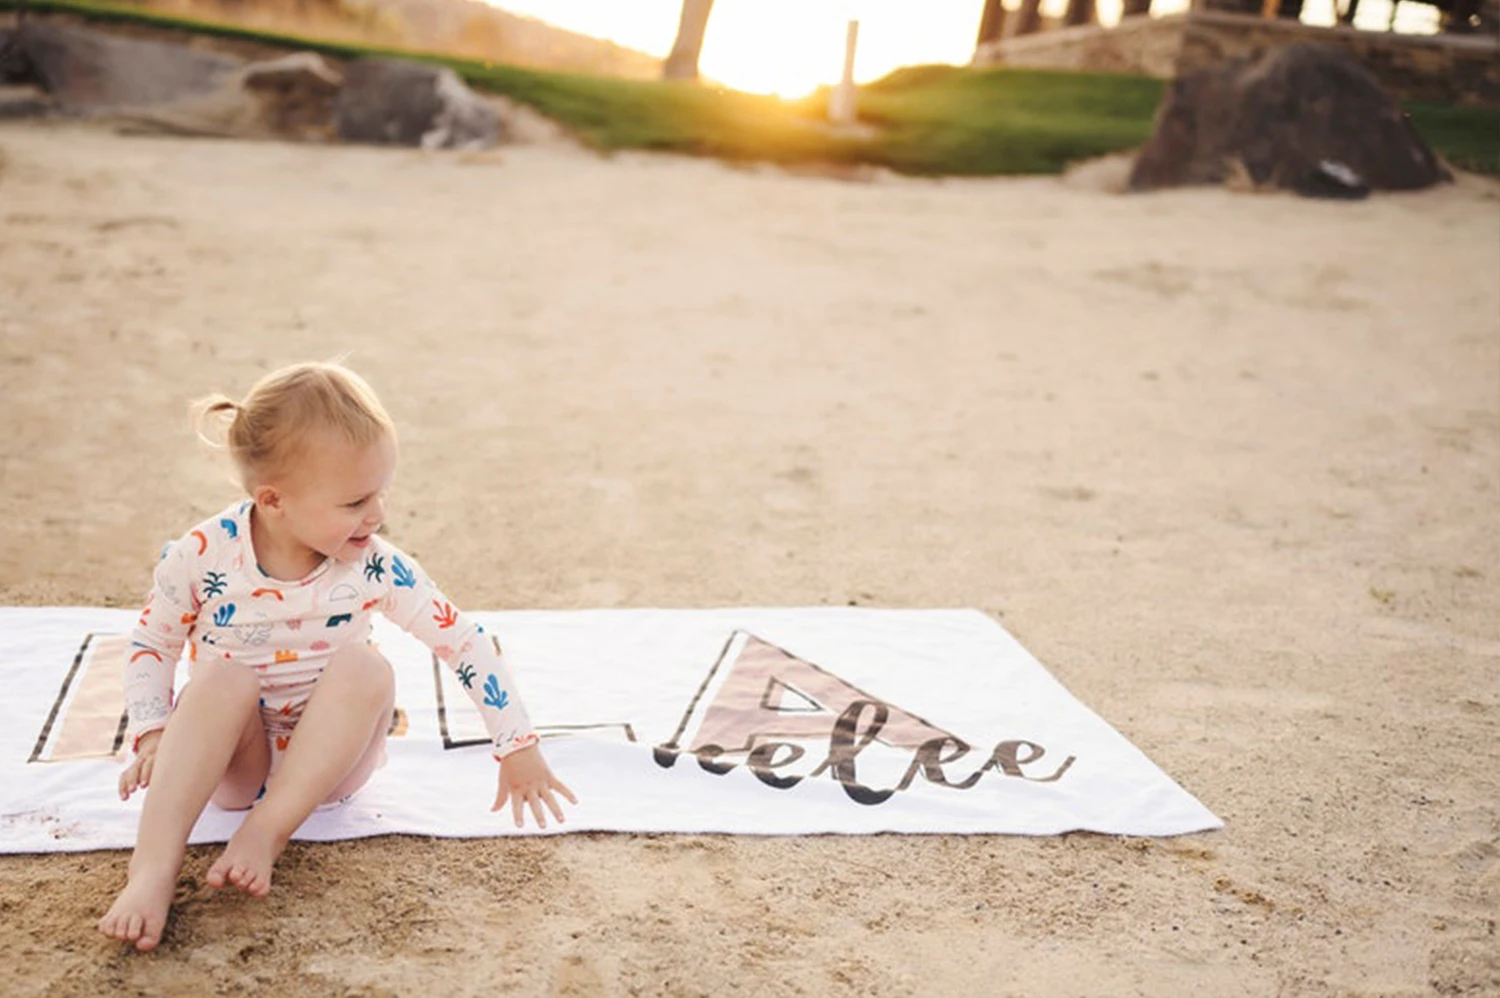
(376, 514)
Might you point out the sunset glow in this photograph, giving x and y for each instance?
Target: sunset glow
(791, 47)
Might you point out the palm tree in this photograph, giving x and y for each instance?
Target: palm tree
(991, 23)
(682, 64)
(1080, 12)
(1029, 17)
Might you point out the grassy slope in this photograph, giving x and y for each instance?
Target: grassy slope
(931, 120)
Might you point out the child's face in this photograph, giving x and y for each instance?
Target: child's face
(337, 499)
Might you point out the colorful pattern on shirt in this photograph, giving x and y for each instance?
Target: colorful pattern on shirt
(210, 595)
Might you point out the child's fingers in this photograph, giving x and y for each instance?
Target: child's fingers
(562, 788)
(130, 780)
(553, 806)
(147, 766)
(515, 809)
(536, 811)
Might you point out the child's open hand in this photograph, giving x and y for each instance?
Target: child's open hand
(138, 773)
(525, 778)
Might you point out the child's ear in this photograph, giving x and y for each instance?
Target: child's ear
(268, 499)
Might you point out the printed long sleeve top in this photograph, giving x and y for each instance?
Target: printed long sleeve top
(210, 595)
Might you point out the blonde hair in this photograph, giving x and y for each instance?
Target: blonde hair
(268, 431)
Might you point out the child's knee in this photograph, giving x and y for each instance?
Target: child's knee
(222, 684)
(367, 667)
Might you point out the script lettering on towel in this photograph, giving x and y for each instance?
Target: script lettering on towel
(766, 697)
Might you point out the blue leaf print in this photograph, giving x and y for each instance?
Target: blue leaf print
(224, 614)
(494, 696)
(230, 527)
(339, 618)
(466, 675)
(215, 583)
(402, 575)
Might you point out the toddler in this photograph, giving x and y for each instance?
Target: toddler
(288, 703)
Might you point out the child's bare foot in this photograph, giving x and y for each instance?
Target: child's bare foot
(247, 860)
(140, 912)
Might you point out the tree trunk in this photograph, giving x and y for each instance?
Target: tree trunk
(1029, 17)
(1080, 12)
(1346, 16)
(991, 22)
(1132, 8)
(682, 64)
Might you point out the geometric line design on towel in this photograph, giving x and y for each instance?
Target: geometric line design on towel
(88, 719)
(452, 738)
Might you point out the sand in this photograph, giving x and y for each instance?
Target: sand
(1228, 463)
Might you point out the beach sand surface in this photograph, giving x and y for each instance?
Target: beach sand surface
(1228, 464)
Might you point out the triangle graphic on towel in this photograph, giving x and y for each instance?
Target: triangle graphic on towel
(769, 694)
(786, 700)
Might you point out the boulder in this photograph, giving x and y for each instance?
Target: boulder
(1302, 117)
(85, 69)
(13, 68)
(393, 102)
(290, 97)
(175, 88)
(294, 95)
(24, 102)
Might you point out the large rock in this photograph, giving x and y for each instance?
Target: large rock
(290, 97)
(159, 86)
(407, 103)
(1302, 117)
(91, 70)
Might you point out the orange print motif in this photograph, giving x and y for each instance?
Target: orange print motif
(285, 656)
(282, 741)
(370, 603)
(269, 592)
(192, 651)
(189, 618)
(145, 651)
(202, 541)
(446, 616)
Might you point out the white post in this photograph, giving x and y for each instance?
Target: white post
(841, 110)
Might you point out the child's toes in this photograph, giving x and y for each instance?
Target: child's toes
(150, 935)
(130, 928)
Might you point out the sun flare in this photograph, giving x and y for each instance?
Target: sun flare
(792, 47)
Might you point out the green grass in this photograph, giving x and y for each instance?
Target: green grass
(1467, 137)
(928, 120)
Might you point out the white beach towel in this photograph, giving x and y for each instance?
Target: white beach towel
(750, 721)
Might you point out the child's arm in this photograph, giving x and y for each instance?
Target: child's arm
(415, 604)
(156, 644)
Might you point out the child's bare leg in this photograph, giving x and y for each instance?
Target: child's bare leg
(339, 739)
(208, 725)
